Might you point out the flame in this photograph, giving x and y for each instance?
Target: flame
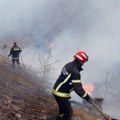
(49, 44)
(88, 88)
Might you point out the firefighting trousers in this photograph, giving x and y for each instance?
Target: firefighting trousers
(65, 110)
(15, 60)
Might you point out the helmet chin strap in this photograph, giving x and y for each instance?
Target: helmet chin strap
(78, 64)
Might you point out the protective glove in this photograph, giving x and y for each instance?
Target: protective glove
(88, 99)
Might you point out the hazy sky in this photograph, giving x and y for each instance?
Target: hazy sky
(89, 25)
(70, 26)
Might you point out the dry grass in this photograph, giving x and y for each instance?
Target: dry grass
(21, 97)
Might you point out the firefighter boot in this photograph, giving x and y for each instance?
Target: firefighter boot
(60, 117)
(63, 117)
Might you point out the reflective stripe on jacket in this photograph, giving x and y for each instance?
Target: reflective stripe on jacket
(69, 80)
(15, 51)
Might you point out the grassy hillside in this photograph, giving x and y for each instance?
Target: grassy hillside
(22, 99)
(20, 95)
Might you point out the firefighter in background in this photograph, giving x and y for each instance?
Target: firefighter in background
(69, 80)
(14, 52)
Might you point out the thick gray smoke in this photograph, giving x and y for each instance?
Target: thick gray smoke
(70, 25)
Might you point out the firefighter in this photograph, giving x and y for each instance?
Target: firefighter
(69, 80)
(14, 52)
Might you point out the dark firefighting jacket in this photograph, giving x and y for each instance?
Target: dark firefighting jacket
(15, 51)
(69, 80)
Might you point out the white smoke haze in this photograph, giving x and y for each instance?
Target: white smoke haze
(89, 25)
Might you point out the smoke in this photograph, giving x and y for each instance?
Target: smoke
(92, 26)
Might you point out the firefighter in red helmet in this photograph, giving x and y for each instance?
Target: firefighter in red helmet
(69, 80)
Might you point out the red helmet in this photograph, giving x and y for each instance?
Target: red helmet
(81, 56)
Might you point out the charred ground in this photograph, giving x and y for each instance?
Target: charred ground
(20, 96)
